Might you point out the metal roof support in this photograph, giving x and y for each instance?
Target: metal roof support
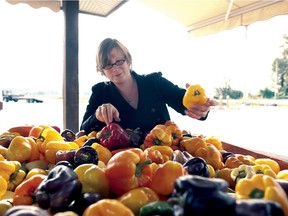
(71, 58)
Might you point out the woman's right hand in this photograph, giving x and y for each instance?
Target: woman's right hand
(107, 113)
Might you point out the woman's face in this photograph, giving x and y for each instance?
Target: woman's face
(120, 70)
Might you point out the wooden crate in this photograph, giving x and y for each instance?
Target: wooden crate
(282, 160)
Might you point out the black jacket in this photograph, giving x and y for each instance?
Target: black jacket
(155, 93)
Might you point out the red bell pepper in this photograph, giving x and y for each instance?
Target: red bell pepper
(113, 136)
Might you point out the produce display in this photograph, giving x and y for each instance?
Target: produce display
(169, 171)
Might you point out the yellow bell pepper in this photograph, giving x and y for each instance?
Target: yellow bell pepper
(283, 174)
(81, 140)
(270, 162)
(5, 204)
(225, 173)
(212, 172)
(7, 168)
(104, 154)
(93, 179)
(11, 172)
(15, 179)
(243, 171)
(214, 141)
(48, 134)
(52, 147)
(136, 198)
(262, 187)
(3, 186)
(264, 169)
(194, 94)
(36, 171)
(211, 155)
(3, 151)
(108, 207)
(22, 149)
(191, 144)
(92, 134)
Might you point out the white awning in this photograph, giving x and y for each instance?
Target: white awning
(203, 17)
(94, 7)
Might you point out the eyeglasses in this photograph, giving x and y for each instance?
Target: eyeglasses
(117, 63)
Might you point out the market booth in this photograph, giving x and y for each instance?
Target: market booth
(102, 178)
(199, 17)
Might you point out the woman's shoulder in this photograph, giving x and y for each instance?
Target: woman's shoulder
(101, 85)
(150, 76)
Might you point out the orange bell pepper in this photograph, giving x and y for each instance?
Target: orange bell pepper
(35, 132)
(239, 159)
(108, 207)
(176, 134)
(164, 177)
(159, 154)
(158, 136)
(23, 194)
(127, 170)
(211, 155)
(23, 130)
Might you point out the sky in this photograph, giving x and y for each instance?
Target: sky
(31, 49)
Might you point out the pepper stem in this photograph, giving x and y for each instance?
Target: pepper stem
(140, 166)
(256, 193)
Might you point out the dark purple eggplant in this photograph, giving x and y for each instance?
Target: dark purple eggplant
(68, 135)
(90, 141)
(226, 155)
(284, 184)
(65, 155)
(84, 155)
(83, 201)
(197, 166)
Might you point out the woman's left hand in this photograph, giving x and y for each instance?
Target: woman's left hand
(198, 111)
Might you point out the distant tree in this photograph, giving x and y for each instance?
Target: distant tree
(228, 91)
(267, 93)
(280, 70)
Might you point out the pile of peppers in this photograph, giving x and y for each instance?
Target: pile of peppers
(115, 172)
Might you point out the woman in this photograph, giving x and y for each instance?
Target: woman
(133, 100)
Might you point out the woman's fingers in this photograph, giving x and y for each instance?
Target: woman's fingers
(106, 113)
